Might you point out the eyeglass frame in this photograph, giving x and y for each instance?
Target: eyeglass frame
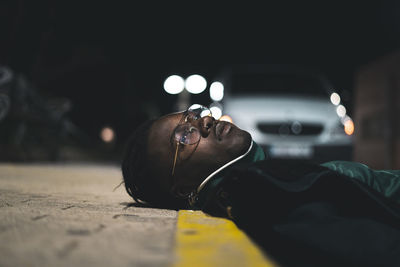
(178, 142)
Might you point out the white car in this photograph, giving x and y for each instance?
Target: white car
(291, 113)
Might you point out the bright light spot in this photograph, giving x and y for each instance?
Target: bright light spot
(226, 118)
(344, 119)
(195, 84)
(195, 106)
(217, 91)
(341, 111)
(335, 99)
(349, 127)
(206, 113)
(107, 134)
(216, 112)
(174, 84)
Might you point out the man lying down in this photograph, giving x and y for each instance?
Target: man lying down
(334, 214)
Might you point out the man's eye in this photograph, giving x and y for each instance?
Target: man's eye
(183, 139)
(186, 136)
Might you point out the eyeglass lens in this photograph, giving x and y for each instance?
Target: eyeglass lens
(187, 134)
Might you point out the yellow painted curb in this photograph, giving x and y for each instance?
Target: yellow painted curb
(202, 240)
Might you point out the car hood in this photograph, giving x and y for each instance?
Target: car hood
(281, 108)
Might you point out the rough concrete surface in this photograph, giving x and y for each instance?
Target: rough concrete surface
(68, 215)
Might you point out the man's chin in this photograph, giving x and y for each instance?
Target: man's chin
(241, 143)
(247, 141)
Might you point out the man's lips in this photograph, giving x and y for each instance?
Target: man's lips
(222, 129)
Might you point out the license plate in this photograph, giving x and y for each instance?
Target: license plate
(291, 151)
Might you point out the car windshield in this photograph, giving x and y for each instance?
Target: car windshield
(276, 83)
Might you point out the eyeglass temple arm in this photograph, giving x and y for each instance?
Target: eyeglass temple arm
(176, 155)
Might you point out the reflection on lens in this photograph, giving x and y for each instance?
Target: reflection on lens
(195, 106)
(200, 110)
(205, 113)
(187, 134)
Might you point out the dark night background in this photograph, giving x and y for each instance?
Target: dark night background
(111, 58)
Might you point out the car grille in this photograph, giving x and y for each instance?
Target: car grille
(290, 128)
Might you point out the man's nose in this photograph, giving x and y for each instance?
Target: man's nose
(205, 125)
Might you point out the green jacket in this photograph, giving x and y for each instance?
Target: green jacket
(385, 182)
(333, 214)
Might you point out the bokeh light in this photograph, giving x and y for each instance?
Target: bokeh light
(107, 134)
(226, 118)
(195, 84)
(335, 99)
(216, 91)
(341, 111)
(216, 112)
(349, 127)
(174, 84)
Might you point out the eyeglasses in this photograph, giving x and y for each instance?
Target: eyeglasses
(185, 133)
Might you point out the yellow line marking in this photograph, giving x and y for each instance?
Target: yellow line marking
(202, 240)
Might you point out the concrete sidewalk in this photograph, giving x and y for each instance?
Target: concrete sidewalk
(68, 215)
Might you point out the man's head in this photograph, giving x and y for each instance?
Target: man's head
(176, 152)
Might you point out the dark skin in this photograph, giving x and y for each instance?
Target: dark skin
(217, 146)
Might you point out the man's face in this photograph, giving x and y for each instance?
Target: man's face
(220, 142)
